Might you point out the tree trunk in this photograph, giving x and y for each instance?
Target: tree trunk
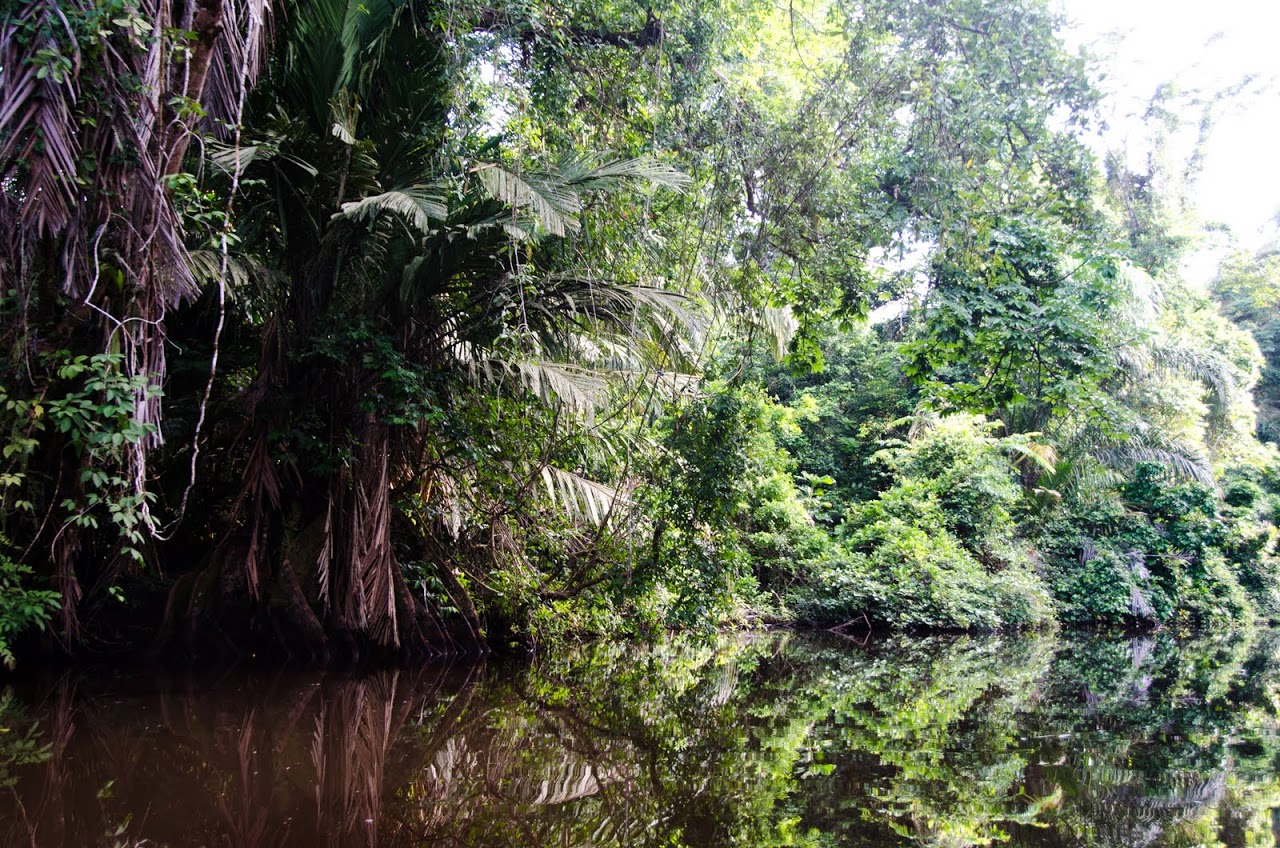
(207, 27)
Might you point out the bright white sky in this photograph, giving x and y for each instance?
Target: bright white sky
(1203, 46)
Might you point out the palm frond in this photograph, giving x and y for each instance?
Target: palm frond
(554, 383)
(923, 421)
(39, 139)
(1041, 454)
(366, 26)
(552, 197)
(1134, 361)
(1146, 295)
(584, 172)
(581, 389)
(614, 306)
(582, 499)
(242, 271)
(346, 111)
(1174, 356)
(1150, 445)
(780, 327)
(241, 53)
(1127, 457)
(419, 205)
(553, 203)
(1078, 477)
(230, 160)
(325, 42)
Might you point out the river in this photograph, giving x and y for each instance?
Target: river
(763, 740)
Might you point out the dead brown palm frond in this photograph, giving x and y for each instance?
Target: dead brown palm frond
(88, 150)
(371, 551)
(88, 210)
(39, 144)
(248, 26)
(355, 565)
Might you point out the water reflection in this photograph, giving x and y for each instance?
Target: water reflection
(1034, 741)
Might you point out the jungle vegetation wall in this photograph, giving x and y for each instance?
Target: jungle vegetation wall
(402, 327)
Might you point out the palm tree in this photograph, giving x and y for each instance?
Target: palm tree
(383, 270)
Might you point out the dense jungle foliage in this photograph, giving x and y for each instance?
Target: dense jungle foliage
(401, 327)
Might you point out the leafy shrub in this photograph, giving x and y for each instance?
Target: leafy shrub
(732, 529)
(21, 607)
(1156, 551)
(841, 414)
(709, 448)
(921, 580)
(936, 550)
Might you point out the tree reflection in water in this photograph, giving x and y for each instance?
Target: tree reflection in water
(772, 740)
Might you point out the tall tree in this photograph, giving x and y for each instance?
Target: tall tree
(1248, 290)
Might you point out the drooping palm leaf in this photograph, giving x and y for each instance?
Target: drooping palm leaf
(582, 389)
(1176, 356)
(242, 272)
(1027, 450)
(580, 498)
(587, 172)
(39, 141)
(422, 206)
(553, 203)
(1121, 450)
(242, 54)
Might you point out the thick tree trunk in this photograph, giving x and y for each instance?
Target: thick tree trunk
(332, 591)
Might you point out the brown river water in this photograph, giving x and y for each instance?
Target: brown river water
(768, 740)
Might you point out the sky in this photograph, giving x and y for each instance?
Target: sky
(1206, 47)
